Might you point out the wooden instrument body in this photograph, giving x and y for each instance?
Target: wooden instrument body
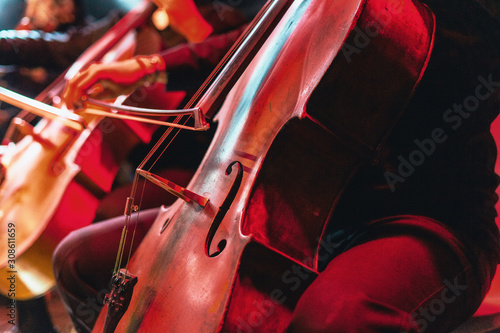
(278, 168)
(55, 176)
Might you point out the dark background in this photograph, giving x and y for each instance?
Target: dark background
(11, 10)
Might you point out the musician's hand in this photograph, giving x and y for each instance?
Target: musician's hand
(184, 17)
(110, 80)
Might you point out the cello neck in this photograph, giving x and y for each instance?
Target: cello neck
(212, 93)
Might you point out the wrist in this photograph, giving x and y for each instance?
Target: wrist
(150, 64)
(153, 69)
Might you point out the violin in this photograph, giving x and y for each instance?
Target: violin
(60, 168)
(241, 244)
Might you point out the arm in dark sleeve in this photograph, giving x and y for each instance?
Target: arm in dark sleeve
(51, 50)
(189, 64)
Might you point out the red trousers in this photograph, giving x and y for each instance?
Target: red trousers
(401, 274)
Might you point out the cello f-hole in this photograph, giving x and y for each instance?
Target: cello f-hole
(223, 210)
(165, 225)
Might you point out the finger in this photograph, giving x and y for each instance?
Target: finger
(88, 78)
(111, 90)
(77, 87)
(95, 89)
(70, 95)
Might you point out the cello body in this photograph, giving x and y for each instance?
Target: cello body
(277, 167)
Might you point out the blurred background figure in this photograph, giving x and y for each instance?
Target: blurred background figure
(40, 39)
(51, 15)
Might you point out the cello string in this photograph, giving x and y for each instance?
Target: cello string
(120, 246)
(127, 225)
(168, 145)
(177, 131)
(124, 236)
(137, 216)
(158, 143)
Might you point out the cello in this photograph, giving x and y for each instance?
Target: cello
(63, 157)
(276, 168)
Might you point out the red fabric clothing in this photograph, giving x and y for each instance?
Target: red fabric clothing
(401, 274)
(84, 262)
(418, 253)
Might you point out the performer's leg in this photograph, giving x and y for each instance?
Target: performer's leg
(405, 274)
(83, 265)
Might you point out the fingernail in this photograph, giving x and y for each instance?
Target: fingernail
(95, 89)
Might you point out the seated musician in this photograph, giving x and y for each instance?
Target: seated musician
(419, 245)
(56, 41)
(223, 22)
(187, 64)
(60, 31)
(45, 42)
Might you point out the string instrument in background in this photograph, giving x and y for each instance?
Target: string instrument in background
(319, 86)
(55, 172)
